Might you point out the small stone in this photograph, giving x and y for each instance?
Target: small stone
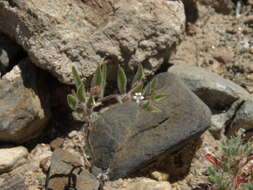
(223, 55)
(12, 157)
(57, 143)
(160, 176)
(250, 77)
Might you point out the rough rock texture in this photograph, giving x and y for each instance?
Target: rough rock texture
(24, 109)
(58, 35)
(219, 122)
(66, 172)
(137, 184)
(128, 137)
(220, 6)
(12, 158)
(218, 93)
(243, 118)
(12, 182)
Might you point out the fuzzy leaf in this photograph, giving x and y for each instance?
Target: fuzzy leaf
(72, 101)
(138, 76)
(159, 97)
(137, 88)
(150, 87)
(153, 109)
(97, 78)
(81, 93)
(90, 102)
(104, 74)
(121, 80)
(104, 78)
(153, 85)
(76, 77)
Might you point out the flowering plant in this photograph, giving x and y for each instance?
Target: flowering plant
(234, 169)
(84, 102)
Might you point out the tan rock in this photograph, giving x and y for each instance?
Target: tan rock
(160, 176)
(137, 184)
(12, 158)
(60, 34)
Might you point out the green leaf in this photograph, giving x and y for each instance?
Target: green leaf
(147, 105)
(153, 85)
(104, 74)
(97, 78)
(159, 97)
(150, 87)
(153, 109)
(138, 76)
(81, 93)
(121, 80)
(90, 102)
(104, 78)
(76, 77)
(137, 88)
(72, 101)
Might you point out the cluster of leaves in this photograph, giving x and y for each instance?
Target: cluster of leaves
(234, 169)
(84, 101)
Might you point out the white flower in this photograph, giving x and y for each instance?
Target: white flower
(138, 97)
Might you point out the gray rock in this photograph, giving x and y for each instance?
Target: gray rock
(243, 118)
(60, 35)
(10, 54)
(24, 103)
(218, 93)
(219, 122)
(12, 182)
(127, 137)
(66, 172)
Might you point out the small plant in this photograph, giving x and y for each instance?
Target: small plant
(234, 169)
(84, 102)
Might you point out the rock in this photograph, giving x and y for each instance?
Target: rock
(137, 184)
(222, 55)
(127, 137)
(243, 118)
(40, 155)
(221, 6)
(218, 93)
(12, 182)
(60, 35)
(24, 105)
(12, 158)
(219, 122)
(160, 176)
(10, 54)
(66, 172)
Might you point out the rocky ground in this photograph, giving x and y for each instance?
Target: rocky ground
(201, 52)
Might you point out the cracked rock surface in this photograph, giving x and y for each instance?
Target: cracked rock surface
(58, 35)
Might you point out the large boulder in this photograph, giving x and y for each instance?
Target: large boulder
(218, 93)
(128, 137)
(24, 103)
(58, 35)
